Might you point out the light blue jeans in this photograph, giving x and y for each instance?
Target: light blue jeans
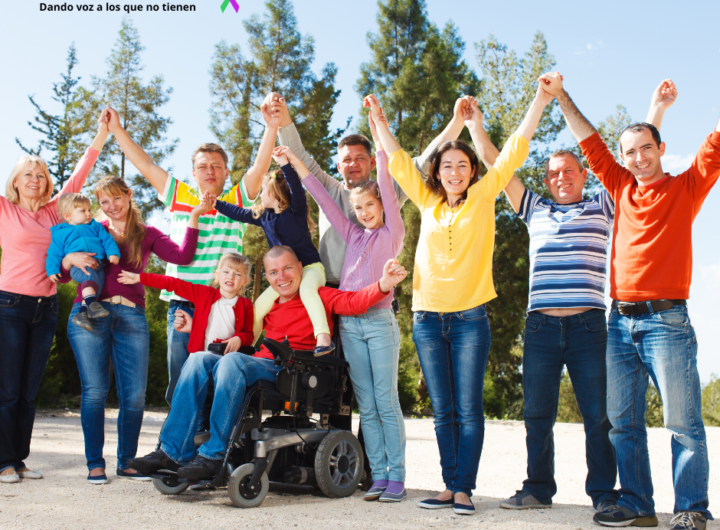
(371, 343)
(662, 345)
(122, 336)
(232, 374)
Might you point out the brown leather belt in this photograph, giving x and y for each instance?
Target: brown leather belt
(640, 308)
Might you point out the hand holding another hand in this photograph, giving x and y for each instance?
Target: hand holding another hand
(393, 274)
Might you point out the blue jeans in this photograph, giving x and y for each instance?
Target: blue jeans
(232, 374)
(371, 343)
(177, 345)
(122, 336)
(27, 328)
(453, 350)
(662, 345)
(95, 278)
(578, 342)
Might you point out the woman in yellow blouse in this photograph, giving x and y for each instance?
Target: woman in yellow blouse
(452, 281)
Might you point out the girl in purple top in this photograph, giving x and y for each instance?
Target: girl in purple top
(371, 342)
(123, 336)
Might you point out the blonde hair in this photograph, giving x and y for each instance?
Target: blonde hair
(236, 262)
(280, 189)
(11, 192)
(69, 201)
(134, 234)
(367, 186)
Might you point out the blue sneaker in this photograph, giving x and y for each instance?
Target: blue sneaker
(323, 350)
(523, 500)
(464, 509)
(620, 516)
(435, 504)
(688, 521)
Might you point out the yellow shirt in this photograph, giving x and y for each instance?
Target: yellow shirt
(453, 261)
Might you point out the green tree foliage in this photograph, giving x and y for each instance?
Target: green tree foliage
(711, 402)
(417, 72)
(568, 410)
(138, 105)
(60, 132)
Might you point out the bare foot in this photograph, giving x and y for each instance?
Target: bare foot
(461, 498)
(97, 471)
(445, 496)
(8, 471)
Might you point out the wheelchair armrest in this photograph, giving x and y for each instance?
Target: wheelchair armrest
(308, 358)
(281, 350)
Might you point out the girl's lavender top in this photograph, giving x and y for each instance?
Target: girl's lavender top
(367, 249)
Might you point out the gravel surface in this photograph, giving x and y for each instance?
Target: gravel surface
(63, 499)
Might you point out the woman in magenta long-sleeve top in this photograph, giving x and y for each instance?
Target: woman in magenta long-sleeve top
(28, 300)
(123, 336)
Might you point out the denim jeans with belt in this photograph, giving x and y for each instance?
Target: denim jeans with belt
(122, 336)
(27, 328)
(578, 342)
(453, 350)
(177, 345)
(661, 345)
(232, 374)
(371, 343)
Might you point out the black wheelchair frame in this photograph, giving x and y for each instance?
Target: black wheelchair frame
(287, 446)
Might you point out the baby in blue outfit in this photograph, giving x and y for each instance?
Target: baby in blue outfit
(81, 233)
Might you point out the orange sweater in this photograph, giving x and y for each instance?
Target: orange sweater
(652, 235)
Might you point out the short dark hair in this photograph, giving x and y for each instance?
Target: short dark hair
(356, 139)
(563, 152)
(210, 148)
(433, 182)
(278, 251)
(640, 127)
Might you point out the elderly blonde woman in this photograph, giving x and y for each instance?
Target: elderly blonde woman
(28, 303)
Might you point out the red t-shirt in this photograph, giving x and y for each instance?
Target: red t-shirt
(652, 235)
(291, 319)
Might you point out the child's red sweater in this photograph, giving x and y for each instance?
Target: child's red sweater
(204, 297)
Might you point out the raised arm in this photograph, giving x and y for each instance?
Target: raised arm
(514, 192)
(393, 219)
(472, 118)
(390, 144)
(155, 175)
(236, 213)
(451, 132)
(662, 99)
(253, 176)
(578, 124)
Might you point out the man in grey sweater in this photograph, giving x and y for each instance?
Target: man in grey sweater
(355, 162)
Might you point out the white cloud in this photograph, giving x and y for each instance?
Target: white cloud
(675, 164)
(589, 47)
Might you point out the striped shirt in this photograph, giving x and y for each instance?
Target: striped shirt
(218, 234)
(568, 250)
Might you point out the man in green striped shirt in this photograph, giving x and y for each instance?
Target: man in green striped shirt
(218, 234)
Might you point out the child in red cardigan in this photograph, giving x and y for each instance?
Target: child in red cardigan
(222, 314)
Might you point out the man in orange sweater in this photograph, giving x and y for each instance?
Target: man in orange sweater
(649, 332)
(234, 372)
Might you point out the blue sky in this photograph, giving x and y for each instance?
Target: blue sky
(610, 52)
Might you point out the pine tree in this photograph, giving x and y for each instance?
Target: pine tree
(417, 73)
(61, 134)
(138, 105)
(280, 61)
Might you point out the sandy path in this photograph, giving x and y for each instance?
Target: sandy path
(64, 499)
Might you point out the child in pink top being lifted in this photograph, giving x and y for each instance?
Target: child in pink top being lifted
(371, 341)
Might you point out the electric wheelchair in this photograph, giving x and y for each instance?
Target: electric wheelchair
(287, 446)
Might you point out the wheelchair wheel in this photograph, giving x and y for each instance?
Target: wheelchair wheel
(169, 489)
(339, 464)
(239, 493)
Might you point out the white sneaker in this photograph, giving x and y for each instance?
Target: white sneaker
(30, 474)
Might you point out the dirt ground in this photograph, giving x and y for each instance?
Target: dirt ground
(63, 499)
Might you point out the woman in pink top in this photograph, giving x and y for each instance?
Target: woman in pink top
(28, 303)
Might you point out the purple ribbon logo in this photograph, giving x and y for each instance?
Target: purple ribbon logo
(234, 3)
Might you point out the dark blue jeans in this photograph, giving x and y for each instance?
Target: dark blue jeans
(453, 349)
(578, 342)
(122, 336)
(27, 328)
(663, 346)
(177, 345)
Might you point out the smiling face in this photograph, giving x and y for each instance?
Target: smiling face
(284, 273)
(31, 184)
(354, 164)
(210, 172)
(565, 179)
(368, 209)
(231, 280)
(455, 173)
(116, 207)
(641, 155)
(80, 215)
